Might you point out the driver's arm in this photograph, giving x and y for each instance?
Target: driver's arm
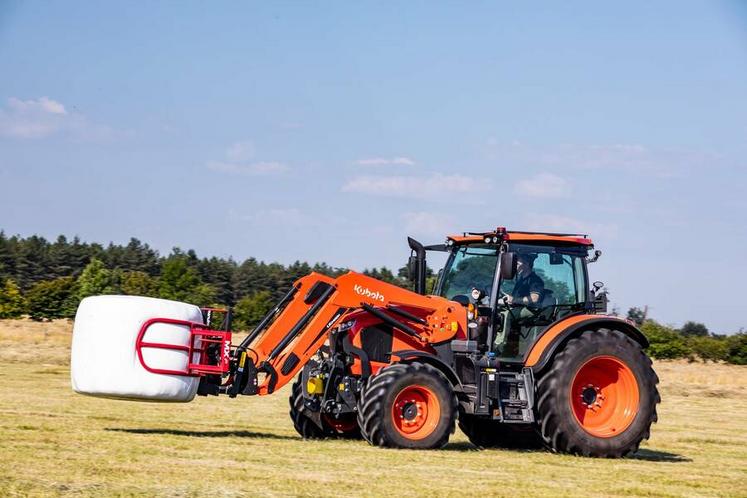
(532, 298)
(535, 290)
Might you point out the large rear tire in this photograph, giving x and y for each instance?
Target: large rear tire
(598, 397)
(315, 425)
(407, 406)
(486, 433)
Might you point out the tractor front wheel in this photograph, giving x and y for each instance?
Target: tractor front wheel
(407, 406)
(315, 425)
(598, 397)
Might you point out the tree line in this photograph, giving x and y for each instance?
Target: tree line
(47, 280)
(693, 341)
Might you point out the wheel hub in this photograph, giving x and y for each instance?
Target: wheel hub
(410, 410)
(591, 396)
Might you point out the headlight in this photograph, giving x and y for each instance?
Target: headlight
(476, 294)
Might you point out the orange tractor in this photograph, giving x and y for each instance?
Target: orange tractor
(513, 346)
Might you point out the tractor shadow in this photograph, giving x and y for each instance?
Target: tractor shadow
(219, 434)
(461, 446)
(644, 454)
(659, 456)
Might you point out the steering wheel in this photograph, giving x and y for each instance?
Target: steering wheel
(510, 307)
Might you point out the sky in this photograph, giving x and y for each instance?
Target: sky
(329, 131)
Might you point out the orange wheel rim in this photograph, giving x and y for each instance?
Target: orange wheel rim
(604, 396)
(416, 412)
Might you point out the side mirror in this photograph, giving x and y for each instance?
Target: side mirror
(508, 265)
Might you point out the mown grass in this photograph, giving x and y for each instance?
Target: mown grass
(57, 443)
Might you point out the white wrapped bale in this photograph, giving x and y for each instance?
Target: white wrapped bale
(104, 360)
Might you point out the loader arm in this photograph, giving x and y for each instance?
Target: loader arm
(295, 328)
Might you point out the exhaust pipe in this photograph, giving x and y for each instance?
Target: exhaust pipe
(416, 265)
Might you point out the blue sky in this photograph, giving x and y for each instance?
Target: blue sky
(329, 131)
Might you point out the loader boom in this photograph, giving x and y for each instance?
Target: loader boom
(294, 329)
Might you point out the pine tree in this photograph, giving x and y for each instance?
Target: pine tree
(219, 273)
(7, 257)
(32, 263)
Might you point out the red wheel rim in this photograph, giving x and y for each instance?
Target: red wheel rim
(604, 396)
(344, 425)
(416, 412)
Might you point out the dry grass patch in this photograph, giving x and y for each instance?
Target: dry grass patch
(57, 443)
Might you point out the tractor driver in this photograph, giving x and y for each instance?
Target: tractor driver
(528, 286)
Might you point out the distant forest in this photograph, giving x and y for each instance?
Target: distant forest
(47, 280)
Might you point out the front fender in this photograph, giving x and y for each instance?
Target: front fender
(544, 348)
(408, 356)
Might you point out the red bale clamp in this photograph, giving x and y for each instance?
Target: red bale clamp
(202, 358)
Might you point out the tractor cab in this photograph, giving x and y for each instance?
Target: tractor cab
(515, 285)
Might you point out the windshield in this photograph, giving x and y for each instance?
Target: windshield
(469, 267)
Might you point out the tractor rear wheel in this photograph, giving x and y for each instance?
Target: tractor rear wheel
(598, 397)
(407, 406)
(486, 433)
(315, 425)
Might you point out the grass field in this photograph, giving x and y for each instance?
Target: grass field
(57, 443)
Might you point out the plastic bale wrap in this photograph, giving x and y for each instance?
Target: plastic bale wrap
(104, 361)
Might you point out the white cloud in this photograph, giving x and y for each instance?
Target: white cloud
(428, 223)
(43, 104)
(32, 118)
(249, 169)
(382, 161)
(44, 117)
(544, 186)
(451, 187)
(237, 162)
(240, 151)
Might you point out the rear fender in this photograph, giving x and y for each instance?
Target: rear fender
(545, 347)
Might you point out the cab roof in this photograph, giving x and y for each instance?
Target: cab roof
(517, 236)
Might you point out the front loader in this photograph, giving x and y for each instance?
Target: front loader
(513, 345)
